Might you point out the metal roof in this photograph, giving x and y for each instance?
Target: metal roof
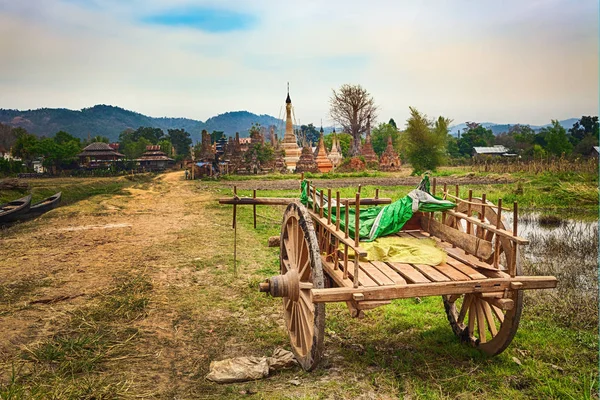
(497, 149)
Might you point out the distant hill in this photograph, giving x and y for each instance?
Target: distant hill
(499, 128)
(110, 121)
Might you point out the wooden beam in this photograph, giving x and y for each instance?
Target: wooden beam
(431, 289)
(471, 244)
(284, 201)
(489, 227)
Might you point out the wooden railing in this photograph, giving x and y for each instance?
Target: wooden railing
(329, 234)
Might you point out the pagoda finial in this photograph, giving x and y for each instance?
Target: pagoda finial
(321, 126)
(288, 100)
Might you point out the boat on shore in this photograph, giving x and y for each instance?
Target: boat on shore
(43, 206)
(13, 210)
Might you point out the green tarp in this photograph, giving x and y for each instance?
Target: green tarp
(381, 221)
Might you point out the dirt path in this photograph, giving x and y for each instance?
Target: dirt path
(56, 264)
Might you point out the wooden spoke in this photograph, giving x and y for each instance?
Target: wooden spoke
(498, 313)
(480, 321)
(489, 318)
(471, 318)
(305, 320)
(465, 308)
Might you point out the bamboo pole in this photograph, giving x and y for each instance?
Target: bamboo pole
(337, 228)
(321, 203)
(482, 214)
(515, 246)
(328, 206)
(234, 233)
(469, 211)
(233, 223)
(254, 207)
(337, 210)
(444, 212)
(497, 244)
(356, 236)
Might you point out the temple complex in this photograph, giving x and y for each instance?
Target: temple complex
(367, 149)
(290, 145)
(389, 159)
(323, 163)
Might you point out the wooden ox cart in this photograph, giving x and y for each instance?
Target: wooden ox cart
(480, 282)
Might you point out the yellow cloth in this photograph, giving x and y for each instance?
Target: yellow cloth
(403, 250)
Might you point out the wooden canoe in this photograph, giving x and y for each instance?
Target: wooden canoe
(45, 205)
(11, 211)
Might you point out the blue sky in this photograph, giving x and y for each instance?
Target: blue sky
(503, 62)
(203, 18)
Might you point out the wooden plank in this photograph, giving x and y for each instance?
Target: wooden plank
(418, 234)
(431, 273)
(465, 269)
(375, 274)
(363, 278)
(403, 234)
(369, 305)
(489, 227)
(389, 272)
(431, 289)
(336, 274)
(408, 272)
(451, 272)
(460, 255)
(471, 244)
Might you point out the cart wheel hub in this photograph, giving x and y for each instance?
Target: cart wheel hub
(287, 285)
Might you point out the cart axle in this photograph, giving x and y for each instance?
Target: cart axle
(287, 285)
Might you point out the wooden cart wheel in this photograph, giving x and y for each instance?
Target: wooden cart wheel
(474, 318)
(301, 261)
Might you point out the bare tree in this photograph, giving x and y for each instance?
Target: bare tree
(350, 107)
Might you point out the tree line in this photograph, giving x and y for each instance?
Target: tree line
(426, 143)
(60, 151)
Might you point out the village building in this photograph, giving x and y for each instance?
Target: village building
(154, 159)
(323, 163)
(290, 145)
(99, 155)
(390, 161)
(493, 151)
